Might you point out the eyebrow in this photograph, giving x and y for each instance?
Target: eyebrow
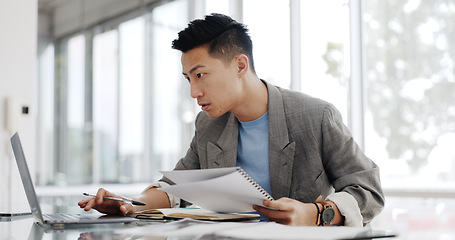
(193, 69)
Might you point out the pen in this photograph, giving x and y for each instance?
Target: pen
(123, 199)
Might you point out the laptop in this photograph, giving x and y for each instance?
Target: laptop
(57, 219)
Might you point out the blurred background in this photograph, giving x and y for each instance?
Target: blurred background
(111, 108)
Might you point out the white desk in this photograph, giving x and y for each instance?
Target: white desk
(420, 219)
(27, 229)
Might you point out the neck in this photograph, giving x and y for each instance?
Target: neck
(253, 102)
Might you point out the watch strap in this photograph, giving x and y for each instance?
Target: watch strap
(318, 218)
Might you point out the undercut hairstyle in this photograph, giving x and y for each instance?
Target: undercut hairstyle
(224, 38)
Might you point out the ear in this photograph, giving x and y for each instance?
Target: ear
(242, 63)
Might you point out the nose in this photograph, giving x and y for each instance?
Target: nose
(196, 91)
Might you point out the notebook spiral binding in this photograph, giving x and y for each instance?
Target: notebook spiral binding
(255, 184)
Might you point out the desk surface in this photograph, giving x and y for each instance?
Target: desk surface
(25, 228)
(411, 219)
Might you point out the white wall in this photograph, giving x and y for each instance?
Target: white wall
(18, 41)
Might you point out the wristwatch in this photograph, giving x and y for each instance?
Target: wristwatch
(327, 214)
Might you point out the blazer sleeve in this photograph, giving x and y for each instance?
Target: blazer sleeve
(347, 166)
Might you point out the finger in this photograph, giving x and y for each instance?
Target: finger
(262, 210)
(89, 205)
(83, 201)
(282, 221)
(126, 209)
(258, 208)
(100, 195)
(280, 204)
(271, 214)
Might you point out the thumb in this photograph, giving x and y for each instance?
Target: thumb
(127, 209)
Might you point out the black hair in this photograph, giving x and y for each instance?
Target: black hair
(224, 37)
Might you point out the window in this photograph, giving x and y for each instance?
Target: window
(131, 100)
(119, 109)
(118, 103)
(123, 110)
(217, 6)
(169, 96)
(46, 99)
(325, 51)
(269, 30)
(76, 168)
(410, 118)
(105, 106)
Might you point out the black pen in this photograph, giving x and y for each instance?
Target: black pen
(122, 199)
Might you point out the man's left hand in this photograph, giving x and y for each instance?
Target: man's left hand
(289, 212)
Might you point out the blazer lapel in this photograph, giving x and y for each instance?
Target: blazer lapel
(281, 151)
(223, 152)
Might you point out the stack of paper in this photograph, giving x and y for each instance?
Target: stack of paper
(193, 213)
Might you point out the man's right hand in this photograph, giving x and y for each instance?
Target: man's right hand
(106, 206)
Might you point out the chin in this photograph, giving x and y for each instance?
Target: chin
(215, 115)
(212, 115)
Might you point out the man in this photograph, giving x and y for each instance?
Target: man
(293, 145)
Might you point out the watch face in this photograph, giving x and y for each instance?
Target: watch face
(327, 215)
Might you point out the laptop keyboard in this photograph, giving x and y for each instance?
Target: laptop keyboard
(65, 217)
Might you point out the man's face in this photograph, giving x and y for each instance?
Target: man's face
(214, 84)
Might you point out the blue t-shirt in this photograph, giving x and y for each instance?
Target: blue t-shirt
(253, 150)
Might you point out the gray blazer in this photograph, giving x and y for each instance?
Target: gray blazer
(311, 151)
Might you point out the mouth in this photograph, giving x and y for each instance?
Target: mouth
(204, 106)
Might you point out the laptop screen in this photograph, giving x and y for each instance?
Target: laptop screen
(26, 177)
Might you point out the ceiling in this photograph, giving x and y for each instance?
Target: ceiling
(50, 4)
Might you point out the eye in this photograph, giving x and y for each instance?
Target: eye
(199, 75)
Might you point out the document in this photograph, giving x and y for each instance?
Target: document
(194, 213)
(225, 190)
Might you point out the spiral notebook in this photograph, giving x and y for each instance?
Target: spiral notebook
(194, 213)
(225, 190)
